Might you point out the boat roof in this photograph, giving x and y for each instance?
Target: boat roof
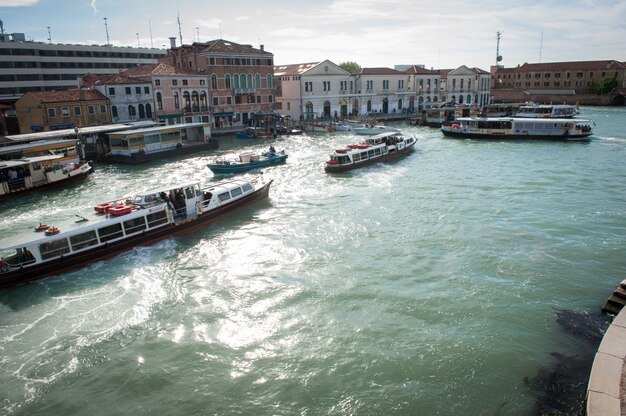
(383, 135)
(74, 132)
(33, 145)
(158, 128)
(22, 162)
(525, 120)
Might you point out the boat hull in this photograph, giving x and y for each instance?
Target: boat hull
(502, 136)
(50, 185)
(245, 166)
(109, 250)
(344, 167)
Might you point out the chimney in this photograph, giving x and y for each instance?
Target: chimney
(172, 42)
(262, 48)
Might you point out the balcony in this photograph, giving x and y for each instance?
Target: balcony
(238, 91)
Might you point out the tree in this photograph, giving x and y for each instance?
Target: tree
(350, 66)
(605, 85)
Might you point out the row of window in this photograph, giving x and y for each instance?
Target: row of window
(128, 90)
(238, 61)
(548, 75)
(65, 53)
(62, 246)
(65, 111)
(144, 111)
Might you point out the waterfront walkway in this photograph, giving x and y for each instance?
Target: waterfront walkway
(606, 392)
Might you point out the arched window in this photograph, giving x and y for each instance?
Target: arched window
(236, 81)
(469, 99)
(268, 79)
(131, 111)
(176, 101)
(400, 104)
(460, 99)
(148, 111)
(142, 112)
(453, 98)
(257, 81)
(435, 99)
(195, 101)
(227, 82)
(428, 98)
(214, 81)
(421, 100)
(203, 101)
(242, 81)
(369, 106)
(159, 99)
(187, 101)
(309, 110)
(249, 80)
(114, 111)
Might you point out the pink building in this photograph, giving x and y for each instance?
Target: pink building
(180, 95)
(240, 77)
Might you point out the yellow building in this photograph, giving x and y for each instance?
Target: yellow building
(53, 110)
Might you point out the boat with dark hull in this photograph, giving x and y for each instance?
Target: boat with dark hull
(379, 148)
(119, 226)
(248, 161)
(512, 128)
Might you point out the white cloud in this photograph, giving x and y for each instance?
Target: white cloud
(94, 6)
(209, 24)
(242, 18)
(17, 3)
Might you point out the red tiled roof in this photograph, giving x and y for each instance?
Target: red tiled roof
(161, 68)
(293, 69)
(222, 46)
(91, 80)
(570, 66)
(67, 95)
(377, 71)
(418, 70)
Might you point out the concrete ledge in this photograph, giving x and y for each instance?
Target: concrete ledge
(599, 404)
(605, 383)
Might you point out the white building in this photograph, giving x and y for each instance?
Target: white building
(313, 90)
(468, 86)
(37, 66)
(323, 89)
(130, 99)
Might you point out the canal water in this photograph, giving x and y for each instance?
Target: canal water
(460, 279)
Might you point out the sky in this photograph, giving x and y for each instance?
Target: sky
(373, 33)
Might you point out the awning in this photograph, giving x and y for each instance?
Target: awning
(224, 114)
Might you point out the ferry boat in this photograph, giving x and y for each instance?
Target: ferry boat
(254, 133)
(368, 130)
(510, 128)
(119, 226)
(546, 111)
(248, 161)
(34, 165)
(374, 149)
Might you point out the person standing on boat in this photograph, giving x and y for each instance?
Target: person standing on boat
(272, 150)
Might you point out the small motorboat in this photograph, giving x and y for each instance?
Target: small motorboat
(52, 231)
(42, 227)
(248, 161)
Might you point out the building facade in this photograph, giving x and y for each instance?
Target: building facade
(573, 82)
(27, 66)
(54, 110)
(130, 98)
(179, 95)
(240, 78)
(323, 89)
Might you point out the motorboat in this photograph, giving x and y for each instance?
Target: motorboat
(248, 161)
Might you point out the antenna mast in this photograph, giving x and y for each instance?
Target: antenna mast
(541, 47)
(106, 27)
(180, 33)
(498, 56)
(150, 27)
(49, 35)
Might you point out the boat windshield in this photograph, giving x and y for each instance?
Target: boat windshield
(15, 258)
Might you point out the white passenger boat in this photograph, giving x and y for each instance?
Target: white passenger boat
(374, 149)
(118, 226)
(547, 111)
(507, 128)
(374, 130)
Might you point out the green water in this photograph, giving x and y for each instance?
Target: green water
(426, 286)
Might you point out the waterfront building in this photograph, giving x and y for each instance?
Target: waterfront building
(317, 89)
(130, 98)
(426, 84)
(180, 95)
(53, 110)
(240, 77)
(383, 90)
(27, 66)
(465, 86)
(570, 82)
